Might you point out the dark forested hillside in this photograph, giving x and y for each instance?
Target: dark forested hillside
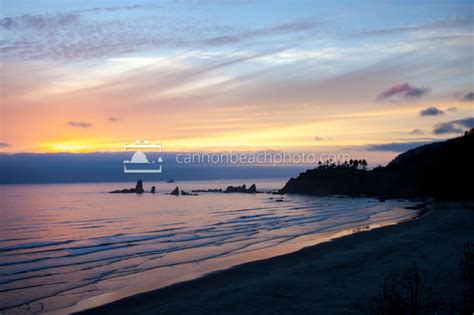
(441, 170)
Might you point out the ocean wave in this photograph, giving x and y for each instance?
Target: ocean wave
(73, 255)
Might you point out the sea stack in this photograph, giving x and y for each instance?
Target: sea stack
(252, 189)
(137, 190)
(241, 189)
(175, 192)
(139, 187)
(236, 189)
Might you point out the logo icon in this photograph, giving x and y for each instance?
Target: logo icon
(139, 163)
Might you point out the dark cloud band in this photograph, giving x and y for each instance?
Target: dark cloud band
(403, 91)
(455, 126)
(79, 124)
(431, 111)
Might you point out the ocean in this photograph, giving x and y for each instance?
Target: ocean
(67, 247)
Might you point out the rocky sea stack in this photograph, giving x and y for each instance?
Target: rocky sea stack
(137, 190)
(241, 189)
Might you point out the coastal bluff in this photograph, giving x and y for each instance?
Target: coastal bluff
(440, 170)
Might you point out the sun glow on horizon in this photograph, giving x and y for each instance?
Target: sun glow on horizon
(78, 146)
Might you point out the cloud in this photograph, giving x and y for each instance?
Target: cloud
(273, 30)
(463, 21)
(4, 145)
(119, 8)
(214, 2)
(79, 124)
(431, 111)
(469, 97)
(452, 109)
(236, 88)
(446, 128)
(318, 139)
(262, 86)
(396, 146)
(455, 126)
(404, 90)
(466, 122)
(67, 35)
(55, 20)
(113, 119)
(417, 132)
(39, 22)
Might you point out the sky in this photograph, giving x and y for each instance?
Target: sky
(372, 78)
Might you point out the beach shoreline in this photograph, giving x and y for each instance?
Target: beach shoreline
(167, 240)
(291, 282)
(203, 268)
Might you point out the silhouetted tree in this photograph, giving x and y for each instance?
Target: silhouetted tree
(356, 164)
(364, 164)
(406, 292)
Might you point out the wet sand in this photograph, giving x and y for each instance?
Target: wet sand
(327, 278)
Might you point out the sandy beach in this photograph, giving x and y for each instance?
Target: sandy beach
(328, 278)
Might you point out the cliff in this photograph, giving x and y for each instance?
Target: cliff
(442, 170)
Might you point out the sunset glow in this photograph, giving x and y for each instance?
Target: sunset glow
(301, 77)
(236, 157)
